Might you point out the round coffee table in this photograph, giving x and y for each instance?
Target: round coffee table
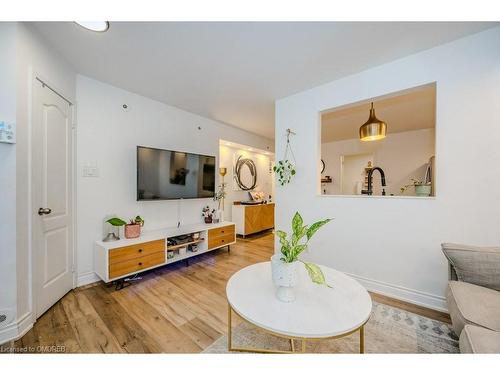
(317, 313)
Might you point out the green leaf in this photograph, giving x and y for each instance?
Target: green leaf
(315, 274)
(116, 222)
(281, 234)
(314, 227)
(297, 250)
(297, 223)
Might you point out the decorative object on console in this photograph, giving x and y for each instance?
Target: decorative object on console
(207, 214)
(422, 189)
(285, 169)
(257, 196)
(240, 178)
(284, 265)
(220, 195)
(133, 229)
(116, 223)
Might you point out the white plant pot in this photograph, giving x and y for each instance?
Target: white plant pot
(285, 278)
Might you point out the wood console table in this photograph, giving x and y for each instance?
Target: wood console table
(251, 219)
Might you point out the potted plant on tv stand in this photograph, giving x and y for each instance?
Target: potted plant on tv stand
(132, 229)
(207, 214)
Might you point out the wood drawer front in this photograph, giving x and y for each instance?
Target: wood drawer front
(259, 218)
(220, 232)
(135, 265)
(122, 254)
(219, 241)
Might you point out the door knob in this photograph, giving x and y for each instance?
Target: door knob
(44, 211)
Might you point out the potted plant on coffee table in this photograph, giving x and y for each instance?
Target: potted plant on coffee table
(285, 264)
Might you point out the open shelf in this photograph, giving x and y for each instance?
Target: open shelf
(175, 247)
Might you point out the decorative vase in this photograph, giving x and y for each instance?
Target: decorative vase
(285, 278)
(220, 215)
(422, 190)
(132, 230)
(208, 219)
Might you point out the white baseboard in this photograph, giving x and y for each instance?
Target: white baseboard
(404, 294)
(8, 333)
(86, 278)
(17, 329)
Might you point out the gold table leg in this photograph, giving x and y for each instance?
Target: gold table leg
(229, 329)
(231, 348)
(362, 339)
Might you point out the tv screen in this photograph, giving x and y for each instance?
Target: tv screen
(165, 174)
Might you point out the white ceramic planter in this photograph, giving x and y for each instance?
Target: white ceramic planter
(285, 278)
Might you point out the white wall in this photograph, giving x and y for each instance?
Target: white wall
(265, 180)
(401, 155)
(7, 182)
(108, 136)
(393, 244)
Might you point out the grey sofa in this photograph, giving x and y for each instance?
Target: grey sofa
(473, 296)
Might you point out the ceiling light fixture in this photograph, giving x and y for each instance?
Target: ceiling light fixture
(97, 26)
(373, 129)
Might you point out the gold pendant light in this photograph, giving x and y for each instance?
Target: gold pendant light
(373, 129)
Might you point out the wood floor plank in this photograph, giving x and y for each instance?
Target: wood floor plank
(89, 329)
(169, 337)
(131, 337)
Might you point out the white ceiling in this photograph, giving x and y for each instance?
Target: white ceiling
(403, 111)
(233, 72)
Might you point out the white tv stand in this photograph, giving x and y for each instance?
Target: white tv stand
(118, 259)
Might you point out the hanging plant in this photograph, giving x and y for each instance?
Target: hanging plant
(285, 169)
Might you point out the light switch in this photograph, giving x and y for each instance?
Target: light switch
(7, 132)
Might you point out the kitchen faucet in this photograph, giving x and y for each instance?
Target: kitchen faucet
(369, 191)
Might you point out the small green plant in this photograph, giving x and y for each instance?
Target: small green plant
(293, 245)
(220, 194)
(138, 220)
(284, 170)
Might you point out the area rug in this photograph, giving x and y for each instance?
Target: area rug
(389, 330)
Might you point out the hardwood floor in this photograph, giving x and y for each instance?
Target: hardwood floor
(174, 309)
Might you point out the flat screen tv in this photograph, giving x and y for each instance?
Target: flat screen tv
(166, 174)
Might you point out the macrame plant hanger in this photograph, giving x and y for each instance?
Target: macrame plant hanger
(288, 147)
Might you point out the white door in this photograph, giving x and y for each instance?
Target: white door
(52, 197)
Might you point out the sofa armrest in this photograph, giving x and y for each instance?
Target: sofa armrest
(475, 265)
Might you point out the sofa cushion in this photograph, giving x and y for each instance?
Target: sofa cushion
(475, 265)
(475, 339)
(473, 304)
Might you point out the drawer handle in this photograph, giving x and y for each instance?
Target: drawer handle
(222, 231)
(223, 240)
(140, 250)
(140, 263)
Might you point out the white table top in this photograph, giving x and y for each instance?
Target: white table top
(317, 312)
